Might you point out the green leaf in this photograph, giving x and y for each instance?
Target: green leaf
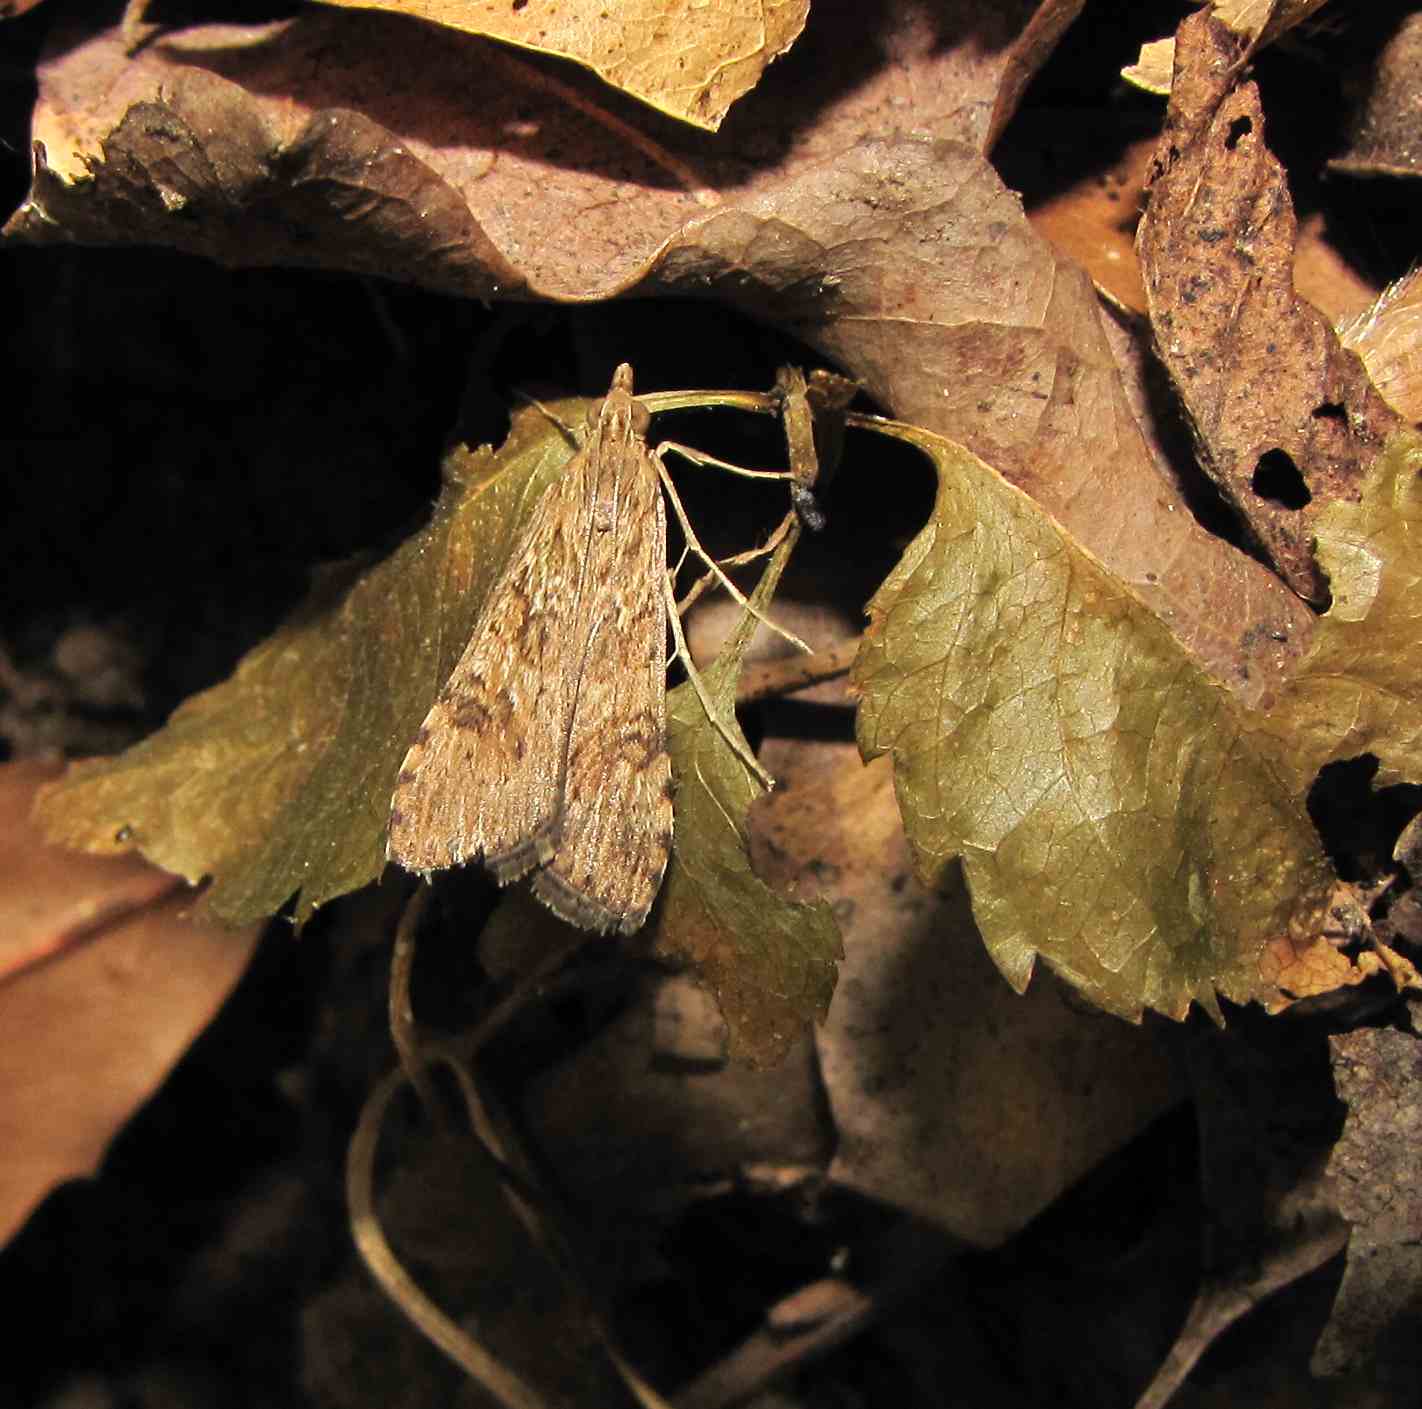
(278, 780)
(769, 961)
(1359, 690)
(1110, 811)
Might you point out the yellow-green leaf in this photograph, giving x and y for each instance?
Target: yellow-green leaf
(1109, 809)
(1359, 689)
(278, 780)
(769, 961)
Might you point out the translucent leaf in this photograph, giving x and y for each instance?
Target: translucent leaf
(1358, 689)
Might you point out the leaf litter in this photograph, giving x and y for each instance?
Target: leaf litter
(776, 245)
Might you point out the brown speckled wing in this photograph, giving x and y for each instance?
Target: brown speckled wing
(484, 775)
(617, 808)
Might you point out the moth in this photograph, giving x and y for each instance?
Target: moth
(546, 749)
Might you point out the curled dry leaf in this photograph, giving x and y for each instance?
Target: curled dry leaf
(692, 61)
(1286, 421)
(360, 141)
(1386, 130)
(130, 979)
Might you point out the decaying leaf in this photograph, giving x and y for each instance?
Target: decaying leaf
(1358, 691)
(1258, 22)
(692, 61)
(121, 979)
(357, 140)
(1285, 420)
(1108, 806)
(769, 961)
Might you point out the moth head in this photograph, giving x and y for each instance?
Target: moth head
(620, 416)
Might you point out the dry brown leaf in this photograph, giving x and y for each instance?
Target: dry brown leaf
(93, 1032)
(361, 141)
(1285, 420)
(691, 61)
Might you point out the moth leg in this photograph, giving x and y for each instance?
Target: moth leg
(694, 544)
(732, 736)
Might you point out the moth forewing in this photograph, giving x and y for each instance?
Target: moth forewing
(617, 808)
(546, 747)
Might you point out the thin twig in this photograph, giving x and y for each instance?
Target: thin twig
(403, 1030)
(466, 1352)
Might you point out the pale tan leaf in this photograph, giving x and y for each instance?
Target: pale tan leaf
(690, 60)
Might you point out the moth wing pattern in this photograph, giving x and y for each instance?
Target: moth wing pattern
(484, 775)
(617, 809)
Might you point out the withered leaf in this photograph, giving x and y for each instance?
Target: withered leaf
(1109, 808)
(1285, 420)
(94, 1030)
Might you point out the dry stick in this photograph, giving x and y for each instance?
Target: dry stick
(1217, 1307)
(764, 679)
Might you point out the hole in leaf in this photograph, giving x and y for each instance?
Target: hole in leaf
(1237, 129)
(1358, 823)
(1277, 479)
(1331, 411)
